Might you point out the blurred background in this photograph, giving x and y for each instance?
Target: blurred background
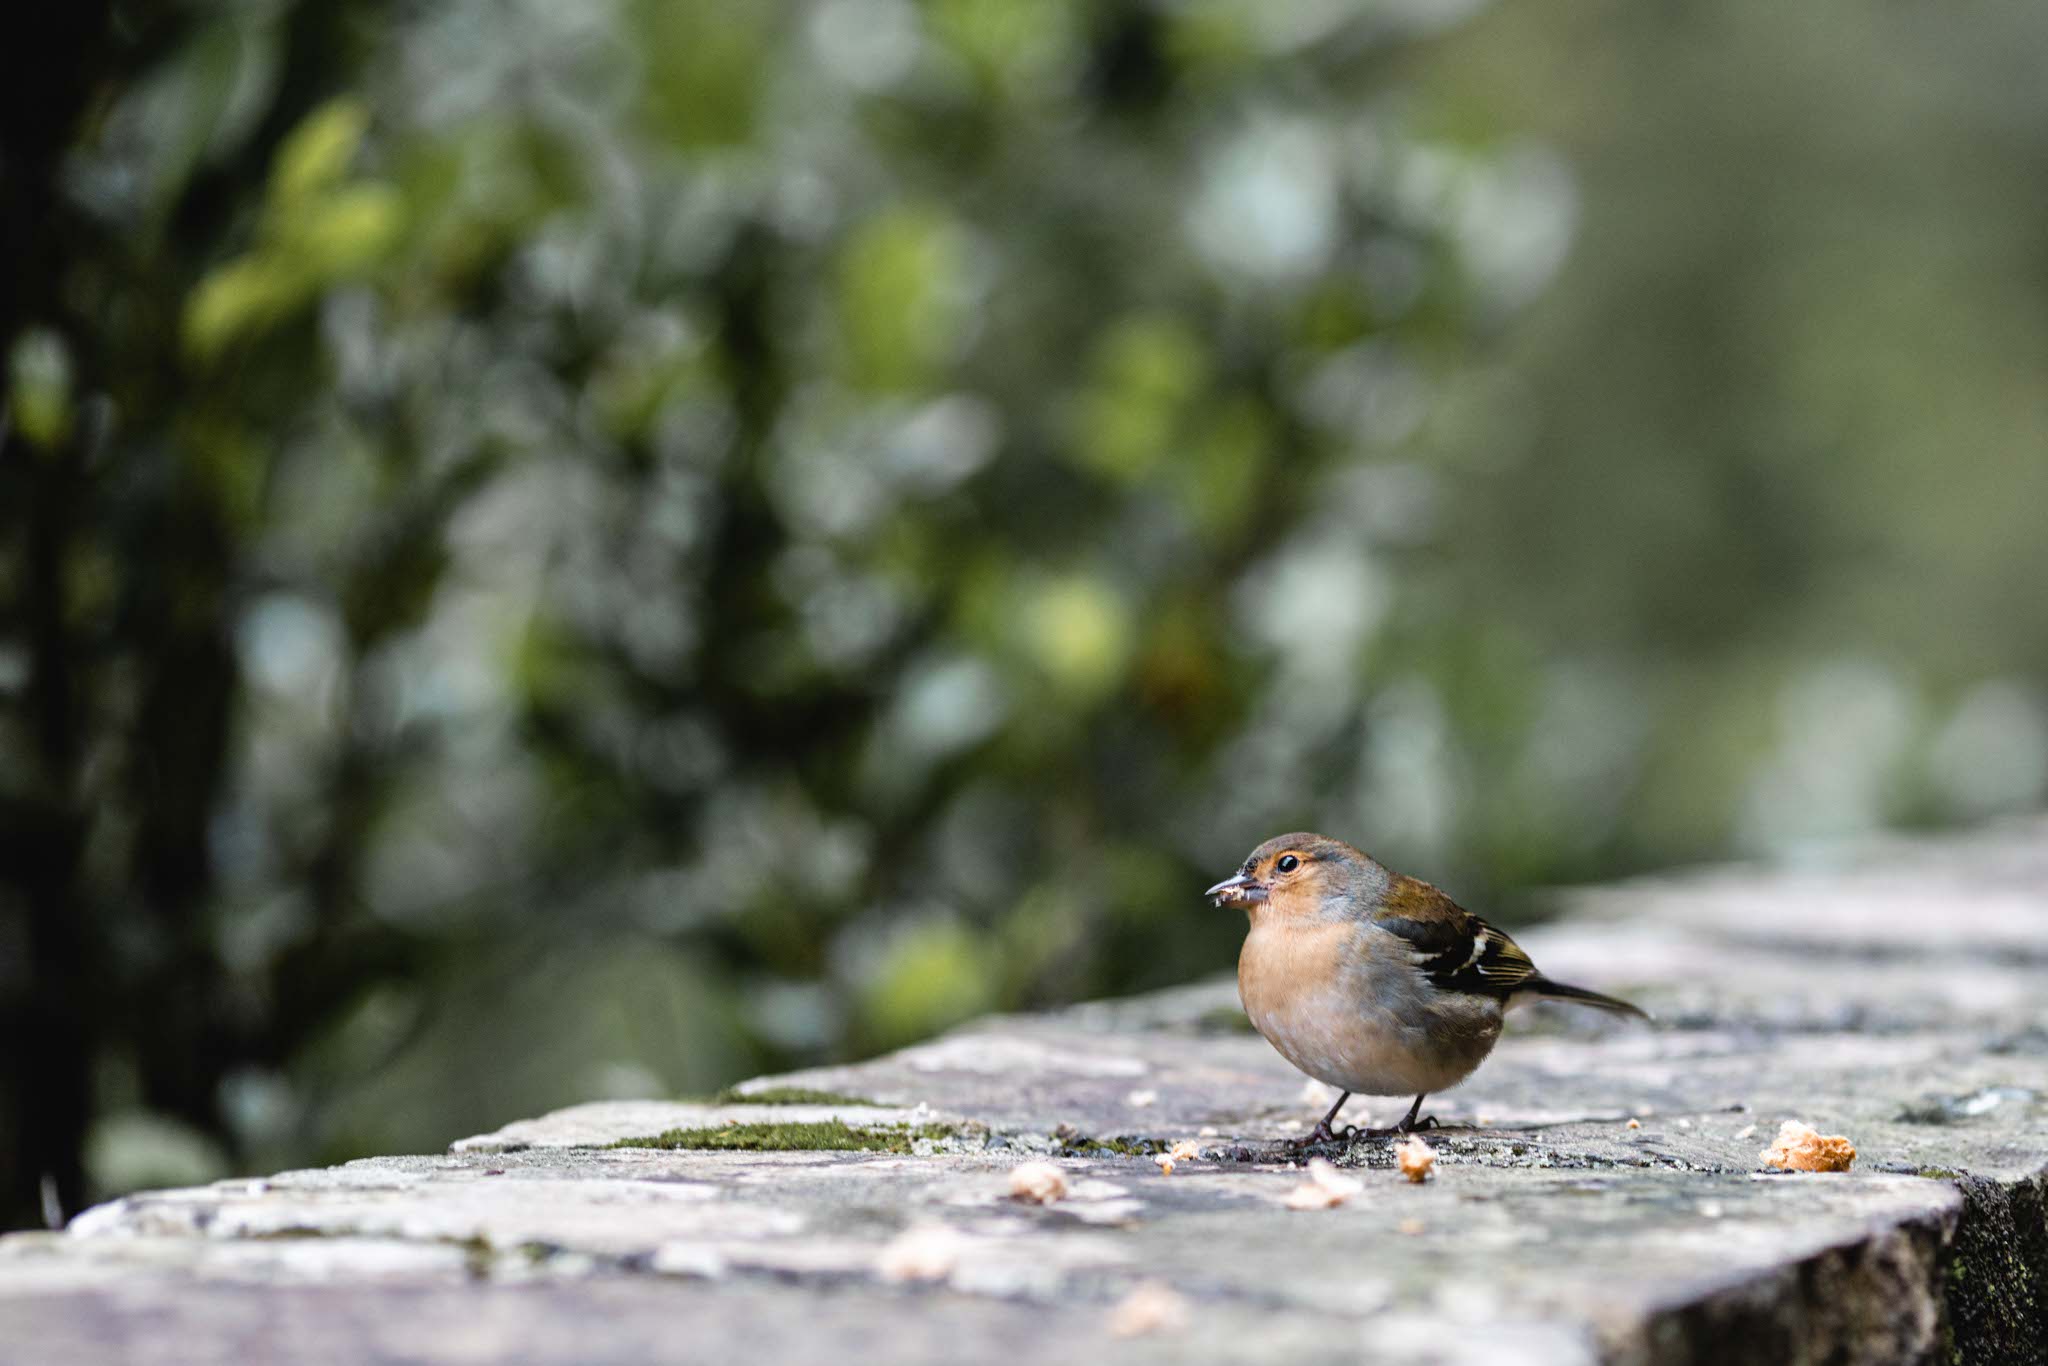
(554, 551)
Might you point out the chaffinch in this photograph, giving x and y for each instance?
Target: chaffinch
(1374, 982)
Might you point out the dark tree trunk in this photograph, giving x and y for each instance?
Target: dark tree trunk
(46, 991)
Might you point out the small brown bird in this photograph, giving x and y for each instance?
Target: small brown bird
(1373, 982)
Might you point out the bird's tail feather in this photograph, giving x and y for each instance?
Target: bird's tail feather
(1545, 989)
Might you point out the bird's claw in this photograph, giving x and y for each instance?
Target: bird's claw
(1351, 1133)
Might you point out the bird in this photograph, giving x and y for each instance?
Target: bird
(1371, 981)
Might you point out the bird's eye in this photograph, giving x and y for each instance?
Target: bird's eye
(1288, 863)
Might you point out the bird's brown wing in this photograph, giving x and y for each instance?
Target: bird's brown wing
(1455, 948)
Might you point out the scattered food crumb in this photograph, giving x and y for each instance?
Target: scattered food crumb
(1800, 1148)
(1318, 1094)
(1151, 1307)
(1683, 1123)
(1416, 1158)
(1290, 1125)
(1207, 1131)
(1411, 1227)
(1184, 1151)
(1039, 1183)
(928, 1252)
(1747, 1131)
(1309, 1195)
(1635, 1124)
(1711, 1209)
(1326, 1186)
(1165, 1161)
(1141, 1099)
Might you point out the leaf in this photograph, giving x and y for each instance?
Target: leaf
(347, 231)
(900, 296)
(317, 153)
(239, 298)
(39, 389)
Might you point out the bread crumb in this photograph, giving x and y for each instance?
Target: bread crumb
(1138, 1100)
(1746, 1131)
(1411, 1227)
(1801, 1148)
(1038, 1183)
(1207, 1131)
(1318, 1094)
(1184, 1151)
(928, 1252)
(1165, 1161)
(1325, 1187)
(1151, 1307)
(1416, 1158)
(1634, 1124)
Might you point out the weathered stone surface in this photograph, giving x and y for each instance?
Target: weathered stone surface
(1896, 999)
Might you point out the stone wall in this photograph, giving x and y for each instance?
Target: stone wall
(1596, 1194)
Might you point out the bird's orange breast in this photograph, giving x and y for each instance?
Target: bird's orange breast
(1361, 1020)
(1300, 991)
(1283, 964)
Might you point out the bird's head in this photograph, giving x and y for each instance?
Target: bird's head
(1303, 875)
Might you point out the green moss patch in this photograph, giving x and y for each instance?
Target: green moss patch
(828, 1135)
(789, 1095)
(1115, 1147)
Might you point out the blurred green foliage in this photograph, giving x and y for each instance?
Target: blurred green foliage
(563, 551)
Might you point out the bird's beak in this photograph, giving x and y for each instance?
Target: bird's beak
(1237, 891)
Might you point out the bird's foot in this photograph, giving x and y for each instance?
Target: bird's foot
(1398, 1129)
(1323, 1133)
(1351, 1133)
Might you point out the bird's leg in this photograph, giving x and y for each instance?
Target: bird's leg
(1322, 1133)
(1409, 1123)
